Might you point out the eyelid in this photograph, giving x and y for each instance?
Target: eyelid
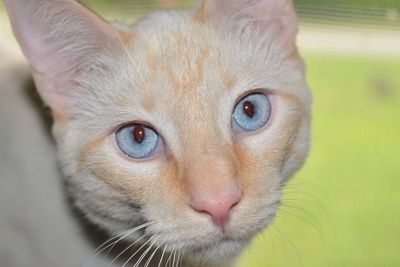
(250, 92)
(134, 122)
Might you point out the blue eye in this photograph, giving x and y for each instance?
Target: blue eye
(252, 112)
(137, 141)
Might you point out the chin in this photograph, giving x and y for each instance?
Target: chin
(218, 253)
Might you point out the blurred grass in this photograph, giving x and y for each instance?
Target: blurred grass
(343, 208)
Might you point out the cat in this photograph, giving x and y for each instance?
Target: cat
(177, 133)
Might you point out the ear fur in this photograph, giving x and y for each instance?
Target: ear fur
(263, 16)
(58, 37)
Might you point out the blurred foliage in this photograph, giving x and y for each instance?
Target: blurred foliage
(355, 3)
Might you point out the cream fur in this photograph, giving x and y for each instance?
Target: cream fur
(182, 72)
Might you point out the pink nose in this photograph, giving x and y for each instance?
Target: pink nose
(218, 208)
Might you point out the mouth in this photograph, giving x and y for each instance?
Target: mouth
(227, 246)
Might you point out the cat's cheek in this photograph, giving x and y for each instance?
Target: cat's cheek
(100, 158)
(105, 207)
(275, 141)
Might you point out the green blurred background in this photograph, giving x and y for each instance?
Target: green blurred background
(343, 208)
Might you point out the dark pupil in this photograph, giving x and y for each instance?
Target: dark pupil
(138, 134)
(248, 108)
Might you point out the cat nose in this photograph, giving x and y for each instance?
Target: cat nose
(218, 208)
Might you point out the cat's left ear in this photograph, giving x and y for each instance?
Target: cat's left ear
(276, 17)
(60, 38)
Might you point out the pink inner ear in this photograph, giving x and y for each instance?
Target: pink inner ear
(58, 37)
(55, 92)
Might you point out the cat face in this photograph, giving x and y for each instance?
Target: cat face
(190, 121)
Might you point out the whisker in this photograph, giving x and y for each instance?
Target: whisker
(292, 245)
(152, 255)
(303, 190)
(162, 255)
(179, 258)
(146, 251)
(128, 247)
(119, 237)
(271, 238)
(169, 258)
(173, 258)
(127, 232)
(116, 242)
(301, 210)
(302, 219)
(305, 200)
(300, 192)
(292, 184)
(133, 255)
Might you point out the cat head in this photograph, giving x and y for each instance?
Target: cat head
(188, 122)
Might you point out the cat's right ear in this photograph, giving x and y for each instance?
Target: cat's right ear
(58, 37)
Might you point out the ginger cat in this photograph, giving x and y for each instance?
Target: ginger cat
(175, 134)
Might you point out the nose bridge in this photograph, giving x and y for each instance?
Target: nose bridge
(213, 189)
(210, 170)
(199, 122)
(211, 178)
(207, 159)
